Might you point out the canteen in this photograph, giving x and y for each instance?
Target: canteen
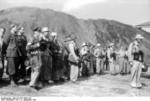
(145, 68)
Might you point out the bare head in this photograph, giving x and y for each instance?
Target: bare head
(13, 28)
(20, 31)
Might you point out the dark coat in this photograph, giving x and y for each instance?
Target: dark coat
(22, 42)
(10, 46)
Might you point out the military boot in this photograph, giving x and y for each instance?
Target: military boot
(12, 82)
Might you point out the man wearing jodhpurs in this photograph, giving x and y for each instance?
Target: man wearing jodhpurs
(35, 61)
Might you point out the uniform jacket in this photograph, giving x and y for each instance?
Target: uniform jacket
(99, 53)
(84, 50)
(10, 46)
(22, 42)
(32, 46)
(73, 52)
(45, 47)
(111, 54)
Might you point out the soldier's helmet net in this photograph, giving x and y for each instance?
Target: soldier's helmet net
(13, 25)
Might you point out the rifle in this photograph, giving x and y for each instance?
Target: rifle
(65, 47)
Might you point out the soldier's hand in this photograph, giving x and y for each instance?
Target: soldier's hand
(77, 61)
(59, 51)
(37, 44)
(131, 63)
(110, 61)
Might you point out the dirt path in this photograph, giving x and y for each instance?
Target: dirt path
(103, 85)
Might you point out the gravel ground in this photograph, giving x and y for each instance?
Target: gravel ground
(94, 86)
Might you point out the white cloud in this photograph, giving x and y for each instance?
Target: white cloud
(52, 4)
(70, 5)
(33, 1)
(75, 4)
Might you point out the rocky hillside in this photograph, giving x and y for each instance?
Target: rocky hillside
(94, 31)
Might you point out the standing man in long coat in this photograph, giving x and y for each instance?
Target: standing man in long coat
(12, 54)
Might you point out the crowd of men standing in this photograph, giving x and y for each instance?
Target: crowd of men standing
(49, 59)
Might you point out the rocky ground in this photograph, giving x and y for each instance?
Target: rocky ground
(95, 86)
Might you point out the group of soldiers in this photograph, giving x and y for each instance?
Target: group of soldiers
(49, 59)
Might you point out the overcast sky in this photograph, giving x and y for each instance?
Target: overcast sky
(127, 11)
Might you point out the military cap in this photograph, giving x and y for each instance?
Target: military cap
(111, 44)
(69, 38)
(12, 25)
(37, 29)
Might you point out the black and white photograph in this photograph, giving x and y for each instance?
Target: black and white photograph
(74, 48)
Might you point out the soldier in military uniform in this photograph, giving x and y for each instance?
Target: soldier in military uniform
(11, 50)
(34, 49)
(22, 42)
(136, 60)
(55, 48)
(73, 59)
(112, 59)
(91, 57)
(99, 54)
(2, 55)
(46, 69)
(66, 55)
(85, 59)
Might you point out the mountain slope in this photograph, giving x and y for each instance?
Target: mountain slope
(94, 31)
